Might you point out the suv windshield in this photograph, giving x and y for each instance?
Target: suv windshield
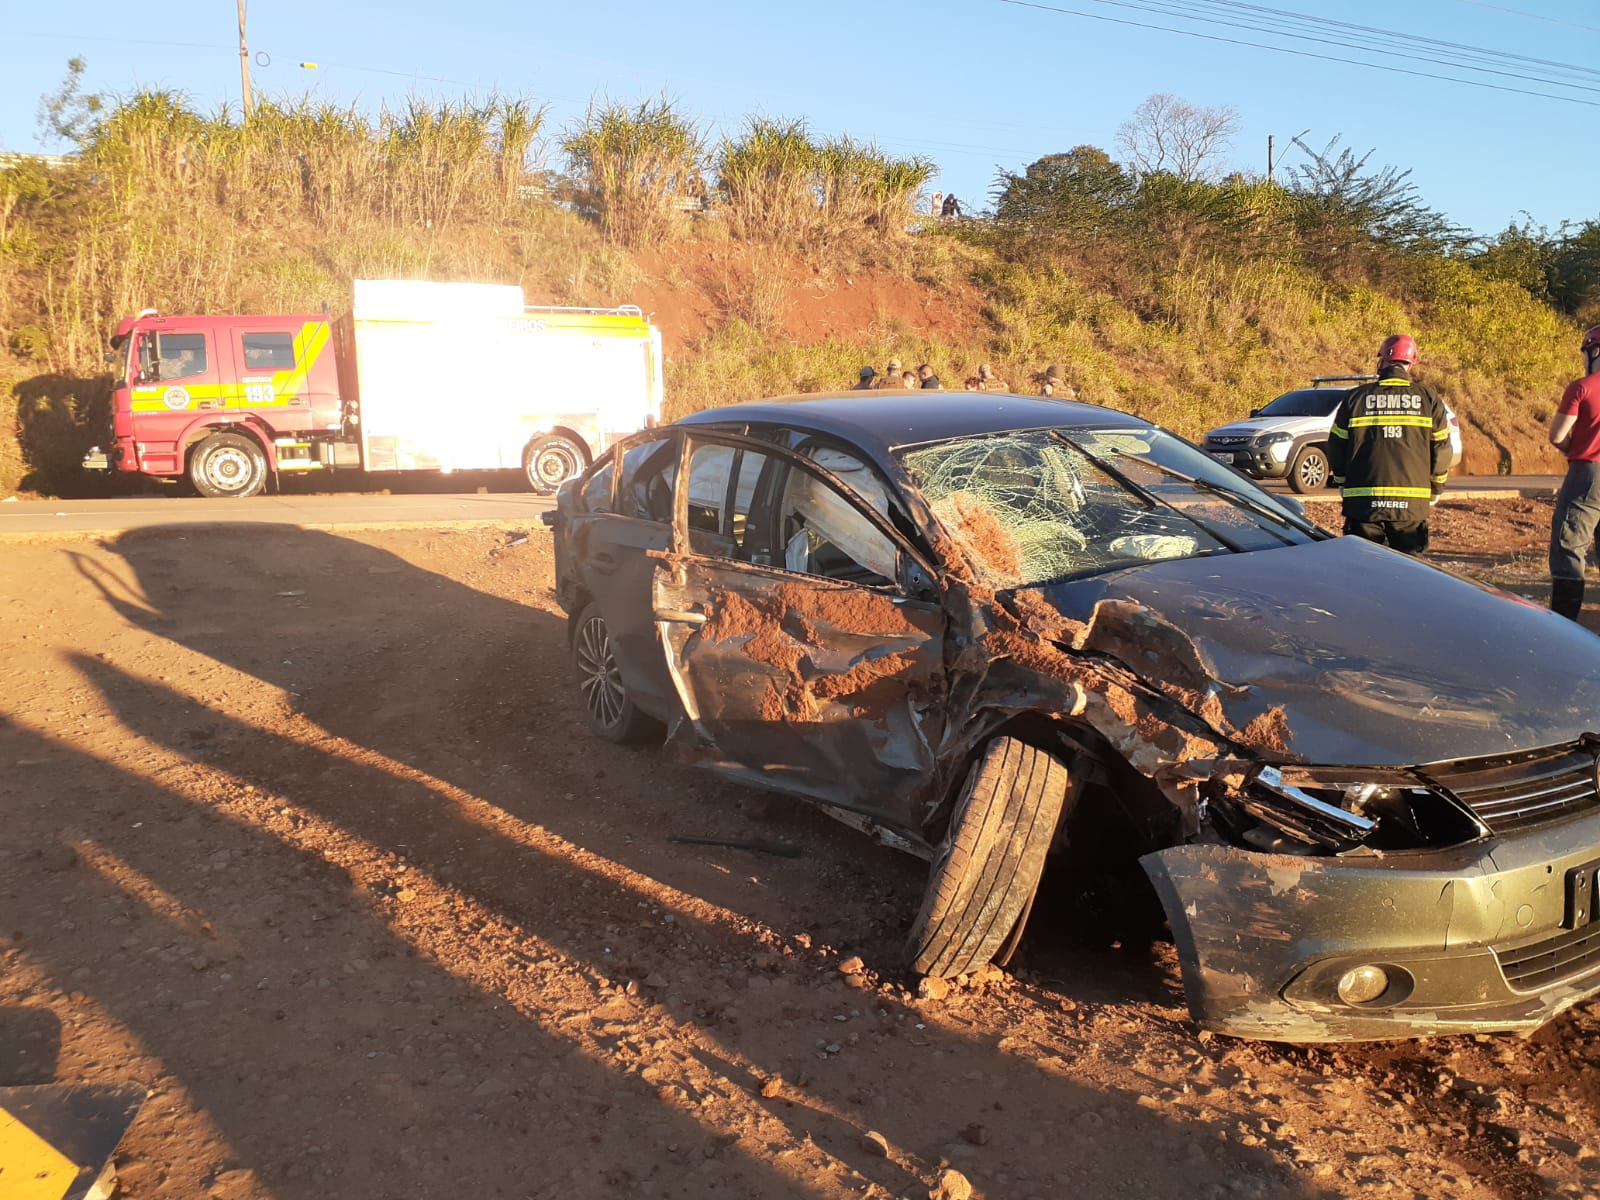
(1042, 506)
(1306, 402)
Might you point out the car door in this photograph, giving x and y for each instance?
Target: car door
(617, 541)
(801, 631)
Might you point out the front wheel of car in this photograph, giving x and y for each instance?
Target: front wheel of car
(991, 860)
(1310, 471)
(609, 708)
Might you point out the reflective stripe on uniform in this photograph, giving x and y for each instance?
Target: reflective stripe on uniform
(1438, 478)
(1339, 431)
(1403, 493)
(1337, 481)
(1390, 419)
(1439, 435)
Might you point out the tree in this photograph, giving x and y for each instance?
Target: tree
(1576, 272)
(68, 113)
(1168, 135)
(1075, 192)
(1341, 205)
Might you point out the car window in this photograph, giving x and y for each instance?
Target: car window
(723, 517)
(644, 485)
(824, 534)
(1306, 402)
(1038, 506)
(596, 495)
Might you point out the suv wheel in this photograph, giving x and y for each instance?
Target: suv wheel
(1310, 470)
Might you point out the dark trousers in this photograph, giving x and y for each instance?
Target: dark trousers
(1572, 527)
(1410, 537)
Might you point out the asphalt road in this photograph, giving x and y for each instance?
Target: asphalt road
(328, 511)
(115, 515)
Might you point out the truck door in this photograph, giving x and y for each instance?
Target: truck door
(281, 374)
(802, 658)
(179, 376)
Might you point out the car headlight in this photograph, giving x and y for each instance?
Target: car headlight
(1326, 814)
(1264, 441)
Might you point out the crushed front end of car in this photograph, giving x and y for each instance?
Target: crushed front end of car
(1323, 934)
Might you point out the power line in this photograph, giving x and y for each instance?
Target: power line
(1354, 62)
(1182, 10)
(1517, 12)
(1368, 34)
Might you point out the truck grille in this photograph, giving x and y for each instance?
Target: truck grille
(1529, 790)
(1557, 959)
(1229, 440)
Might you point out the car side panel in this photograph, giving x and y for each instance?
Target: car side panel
(814, 686)
(614, 557)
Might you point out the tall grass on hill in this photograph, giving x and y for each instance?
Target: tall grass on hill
(781, 186)
(767, 177)
(635, 164)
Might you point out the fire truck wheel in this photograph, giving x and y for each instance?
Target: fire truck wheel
(227, 464)
(552, 460)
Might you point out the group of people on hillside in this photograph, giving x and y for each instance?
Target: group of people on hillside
(894, 377)
(1052, 381)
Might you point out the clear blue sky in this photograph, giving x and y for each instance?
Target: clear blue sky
(972, 84)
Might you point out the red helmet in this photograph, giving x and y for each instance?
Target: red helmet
(1591, 340)
(1398, 348)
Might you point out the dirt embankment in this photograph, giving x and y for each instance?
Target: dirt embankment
(305, 832)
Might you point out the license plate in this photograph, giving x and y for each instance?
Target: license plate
(1225, 456)
(1583, 893)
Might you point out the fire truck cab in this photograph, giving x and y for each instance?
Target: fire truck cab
(215, 397)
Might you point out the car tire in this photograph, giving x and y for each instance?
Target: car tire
(607, 706)
(228, 464)
(550, 461)
(991, 860)
(1310, 471)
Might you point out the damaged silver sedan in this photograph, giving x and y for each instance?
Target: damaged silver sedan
(975, 626)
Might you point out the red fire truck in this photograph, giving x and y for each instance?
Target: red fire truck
(418, 376)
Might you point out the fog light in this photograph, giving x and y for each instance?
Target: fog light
(1362, 985)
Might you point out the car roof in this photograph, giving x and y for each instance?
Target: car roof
(881, 420)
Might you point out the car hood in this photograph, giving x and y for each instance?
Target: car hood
(1255, 425)
(1372, 658)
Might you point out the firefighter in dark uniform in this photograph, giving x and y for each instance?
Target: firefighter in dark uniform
(1389, 450)
(1575, 431)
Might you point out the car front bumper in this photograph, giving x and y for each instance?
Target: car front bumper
(1496, 935)
(1258, 464)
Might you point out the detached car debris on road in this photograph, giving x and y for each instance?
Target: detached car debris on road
(1365, 789)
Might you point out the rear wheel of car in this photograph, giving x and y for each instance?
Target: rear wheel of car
(550, 461)
(1310, 470)
(227, 464)
(989, 865)
(606, 703)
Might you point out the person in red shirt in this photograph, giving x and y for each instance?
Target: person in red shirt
(1575, 431)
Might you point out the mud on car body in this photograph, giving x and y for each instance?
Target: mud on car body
(1364, 789)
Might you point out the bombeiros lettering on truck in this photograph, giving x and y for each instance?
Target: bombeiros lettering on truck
(418, 376)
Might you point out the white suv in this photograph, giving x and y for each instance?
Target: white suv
(1288, 438)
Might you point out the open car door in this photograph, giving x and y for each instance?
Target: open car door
(801, 630)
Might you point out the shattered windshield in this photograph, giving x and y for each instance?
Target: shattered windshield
(1041, 506)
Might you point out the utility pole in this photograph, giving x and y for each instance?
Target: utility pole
(1270, 139)
(244, 67)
